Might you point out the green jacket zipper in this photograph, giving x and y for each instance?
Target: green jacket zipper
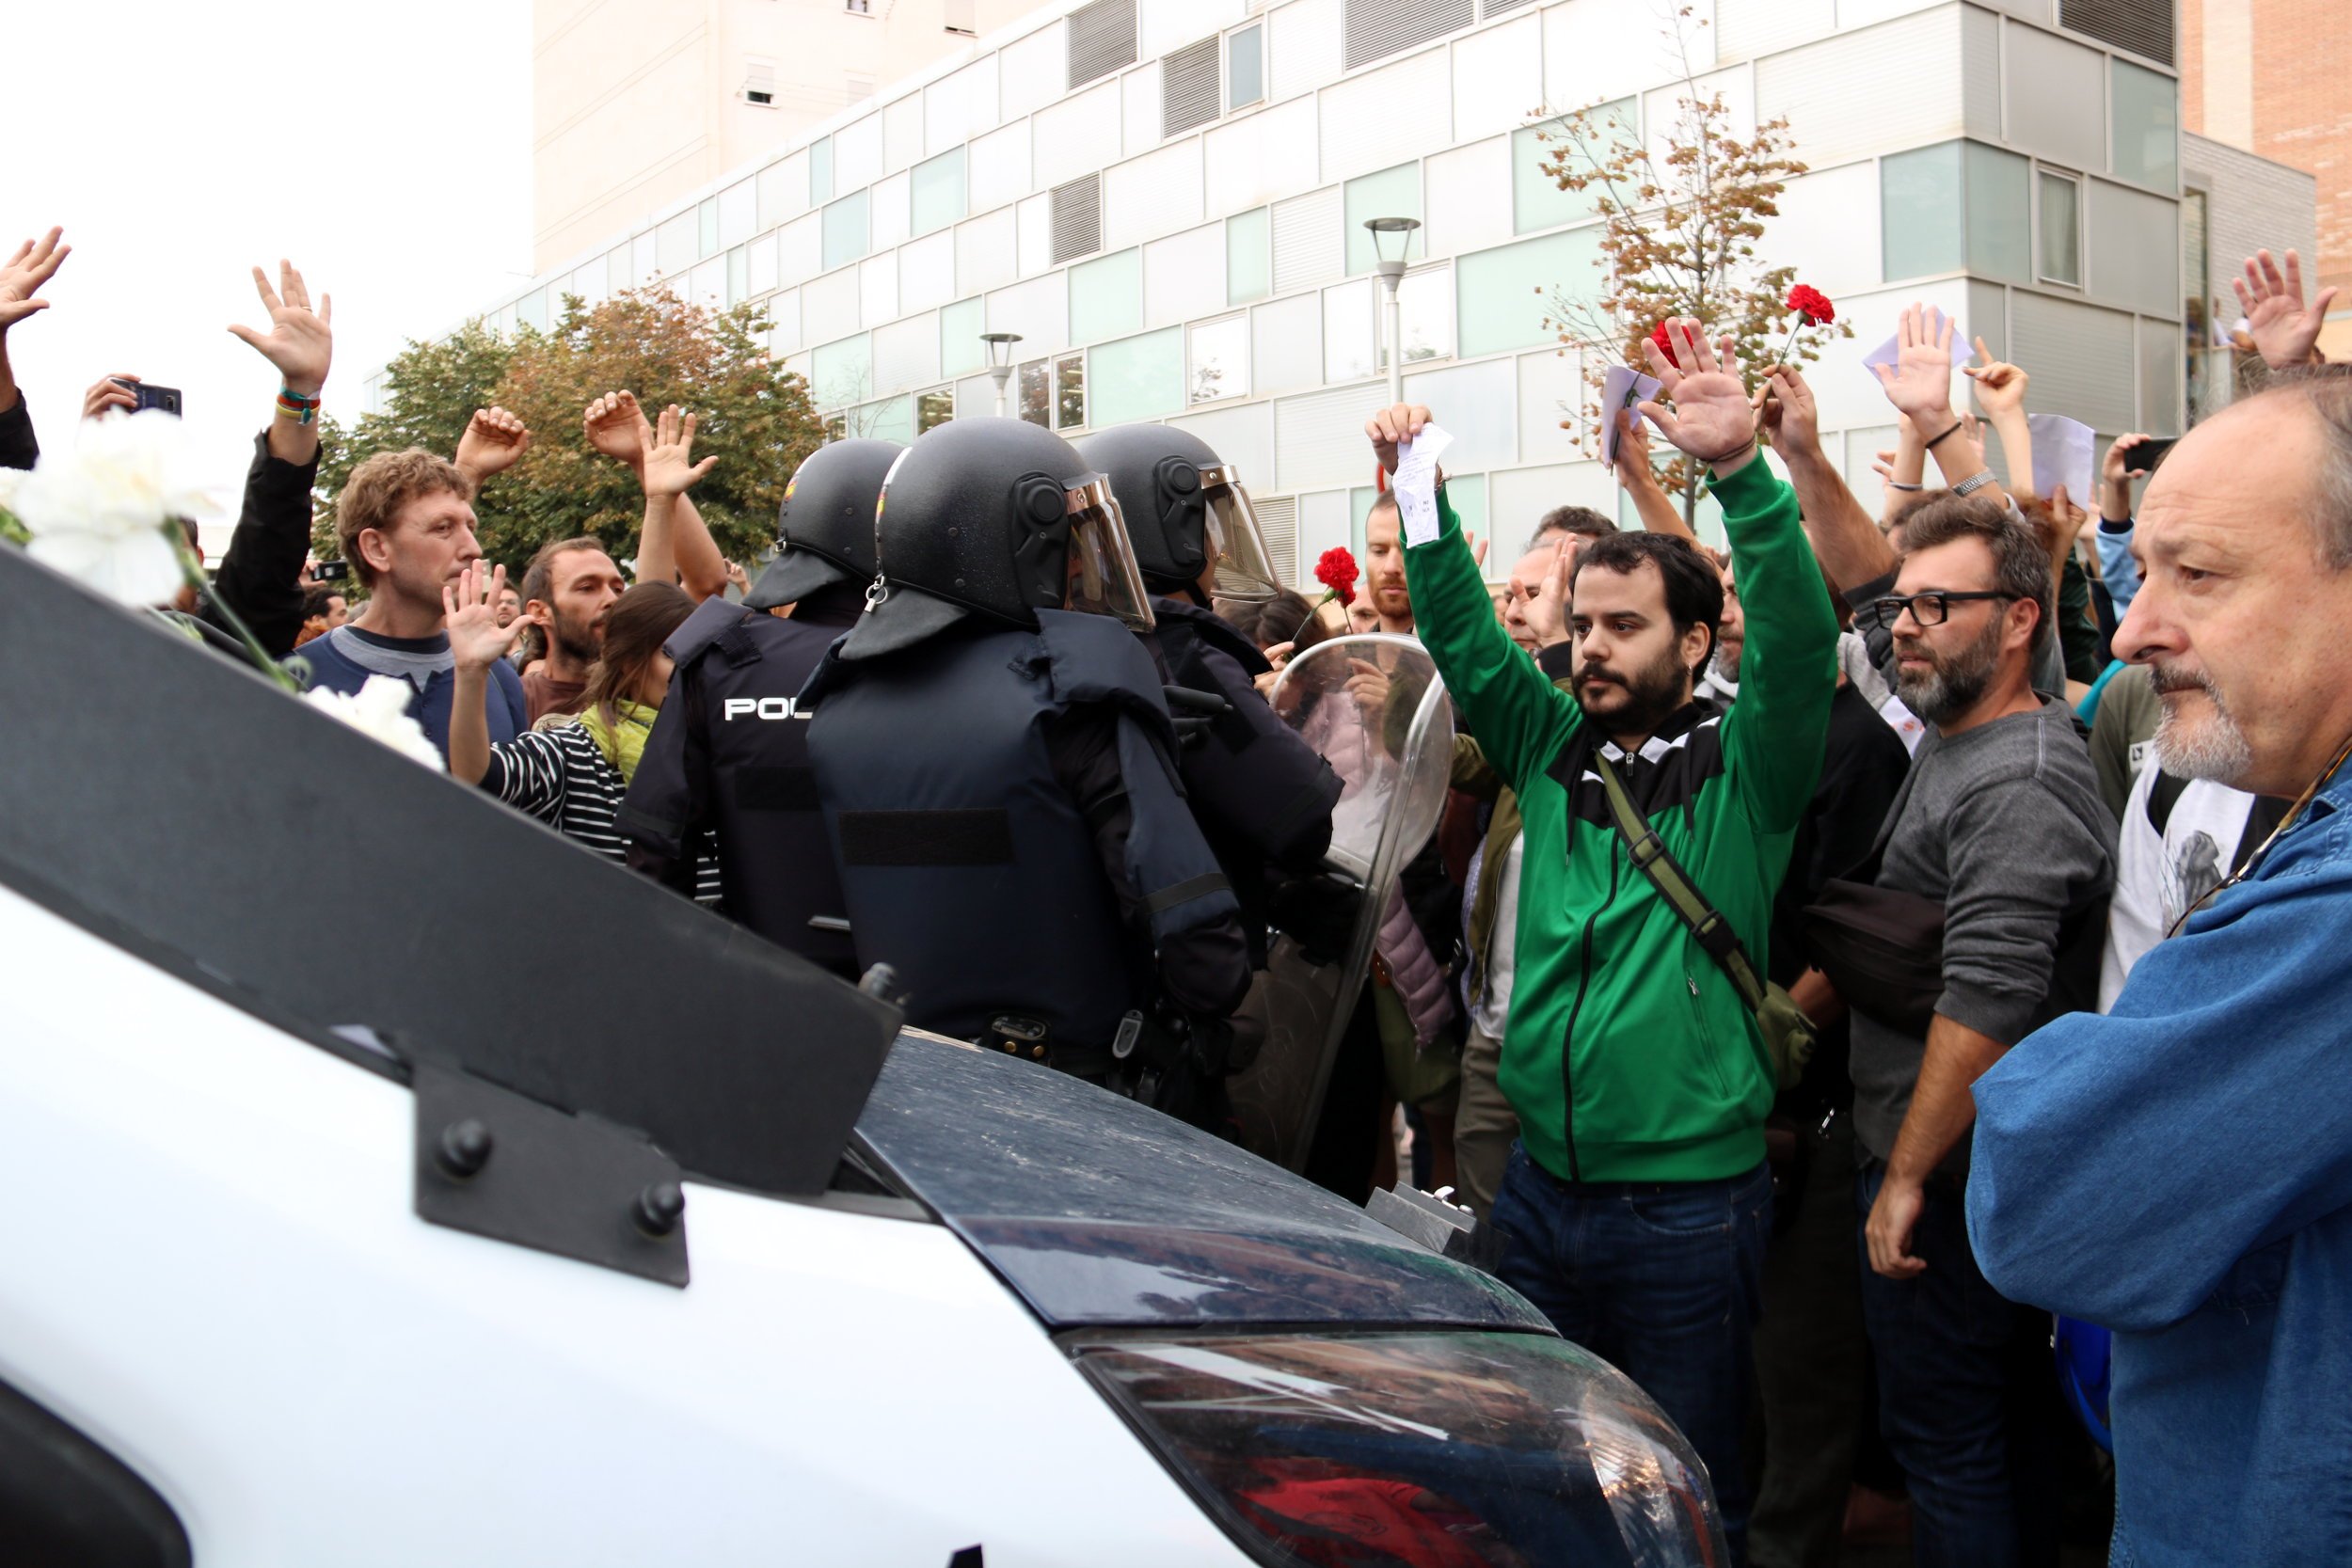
(1567, 1043)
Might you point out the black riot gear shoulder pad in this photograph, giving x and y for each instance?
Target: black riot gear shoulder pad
(826, 523)
(1154, 470)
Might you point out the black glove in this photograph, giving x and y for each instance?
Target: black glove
(1318, 911)
(1194, 713)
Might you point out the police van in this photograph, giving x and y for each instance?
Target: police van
(396, 1184)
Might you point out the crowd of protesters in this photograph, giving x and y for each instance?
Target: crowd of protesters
(1839, 951)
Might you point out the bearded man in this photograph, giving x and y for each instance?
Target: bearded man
(1634, 1207)
(568, 589)
(2000, 824)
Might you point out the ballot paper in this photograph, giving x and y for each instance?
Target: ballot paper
(1416, 484)
(1623, 388)
(2062, 454)
(1890, 350)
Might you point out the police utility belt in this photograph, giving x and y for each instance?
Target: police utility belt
(1142, 1051)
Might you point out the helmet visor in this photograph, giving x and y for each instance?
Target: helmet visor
(1238, 549)
(1104, 579)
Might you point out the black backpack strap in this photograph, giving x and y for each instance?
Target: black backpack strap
(1651, 858)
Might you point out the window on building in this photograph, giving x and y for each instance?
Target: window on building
(760, 82)
(1921, 213)
(2145, 110)
(1249, 257)
(1036, 397)
(1347, 332)
(2061, 250)
(706, 227)
(1069, 392)
(1220, 360)
(1245, 68)
(934, 409)
(1424, 305)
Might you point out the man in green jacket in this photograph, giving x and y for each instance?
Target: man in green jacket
(1635, 1210)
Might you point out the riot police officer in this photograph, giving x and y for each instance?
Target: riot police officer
(1263, 796)
(728, 758)
(995, 756)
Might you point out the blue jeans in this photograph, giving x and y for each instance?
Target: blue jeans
(1662, 1280)
(1966, 1395)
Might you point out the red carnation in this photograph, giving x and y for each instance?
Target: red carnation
(1813, 304)
(1666, 345)
(1336, 569)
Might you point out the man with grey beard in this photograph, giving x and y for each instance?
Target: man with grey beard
(1999, 823)
(2180, 1170)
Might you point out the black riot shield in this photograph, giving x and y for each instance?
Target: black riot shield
(1373, 706)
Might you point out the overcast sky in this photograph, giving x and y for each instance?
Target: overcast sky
(385, 149)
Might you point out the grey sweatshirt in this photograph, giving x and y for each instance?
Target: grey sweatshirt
(2003, 826)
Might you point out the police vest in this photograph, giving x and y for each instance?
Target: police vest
(968, 867)
(1260, 793)
(743, 772)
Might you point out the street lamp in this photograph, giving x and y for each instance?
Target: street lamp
(1391, 271)
(1000, 362)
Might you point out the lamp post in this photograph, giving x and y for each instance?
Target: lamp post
(1000, 362)
(1391, 271)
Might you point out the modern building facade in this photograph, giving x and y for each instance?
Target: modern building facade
(1165, 199)
(2274, 78)
(635, 105)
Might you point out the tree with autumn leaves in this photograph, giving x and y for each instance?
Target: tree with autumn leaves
(756, 420)
(1679, 237)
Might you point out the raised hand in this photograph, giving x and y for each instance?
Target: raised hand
(1369, 685)
(108, 391)
(1633, 468)
(34, 264)
(300, 342)
(1920, 383)
(1711, 420)
(1391, 426)
(493, 441)
(1546, 614)
(670, 468)
(2283, 330)
(2116, 473)
(616, 427)
(1792, 414)
(2000, 385)
(469, 606)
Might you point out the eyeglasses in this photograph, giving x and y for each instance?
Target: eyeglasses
(1928, 610)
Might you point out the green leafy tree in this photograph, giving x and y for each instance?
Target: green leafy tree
(430, 391)
(1679, 236)
(758, 421)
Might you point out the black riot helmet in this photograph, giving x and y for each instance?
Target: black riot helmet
(826, 523)
(1187, 512)
(993, 520)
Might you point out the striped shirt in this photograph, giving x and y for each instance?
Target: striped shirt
(558, 775)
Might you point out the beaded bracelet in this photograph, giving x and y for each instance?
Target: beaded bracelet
(296, 407)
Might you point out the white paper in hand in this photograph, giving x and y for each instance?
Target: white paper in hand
(1416, 484)
(1621, 389)
(2062, 454)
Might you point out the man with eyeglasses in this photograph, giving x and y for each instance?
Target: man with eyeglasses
(2001, 825)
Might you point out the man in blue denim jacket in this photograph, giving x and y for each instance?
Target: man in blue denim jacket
(2181, 1169)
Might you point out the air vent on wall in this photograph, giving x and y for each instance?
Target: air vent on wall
(1102, 39)
(1278, 519)
(1377, 28)
(2142, 27)
(1496, 7)
(1076, 212)
(1188, 85)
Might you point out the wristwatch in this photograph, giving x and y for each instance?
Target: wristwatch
(1974, 483)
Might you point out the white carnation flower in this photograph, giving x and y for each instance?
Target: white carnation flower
(100, 512)
(380, 709)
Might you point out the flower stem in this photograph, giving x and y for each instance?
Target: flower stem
(192, 570)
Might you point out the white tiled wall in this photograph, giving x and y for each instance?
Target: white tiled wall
(1858, 79)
